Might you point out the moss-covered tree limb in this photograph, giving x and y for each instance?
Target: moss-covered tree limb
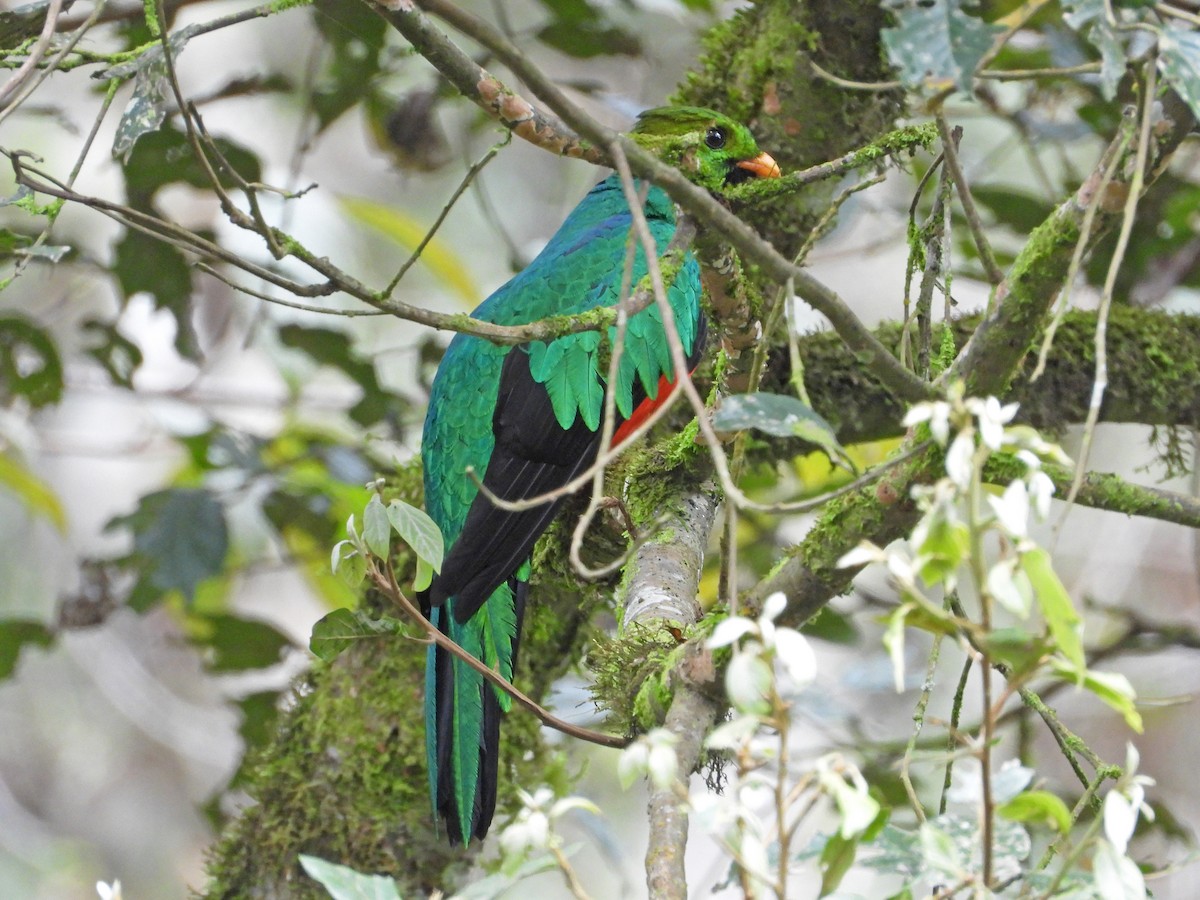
(661, 584)
(1106, 491)
(1153, 378)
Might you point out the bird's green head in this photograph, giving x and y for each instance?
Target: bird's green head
(713, 150)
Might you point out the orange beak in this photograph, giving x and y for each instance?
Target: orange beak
(763, 166)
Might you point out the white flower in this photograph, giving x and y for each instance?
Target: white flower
(652, 754)
(729, 631)
(109, 891)
(960, 458)
(1041, 489)
(936, 413)
(796, 654)
(733, 734)
(773, 606)
(748, 680)
(1014, 595)
(1012, 509)
(865, 552)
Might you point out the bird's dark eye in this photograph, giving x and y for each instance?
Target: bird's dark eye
(715, 138)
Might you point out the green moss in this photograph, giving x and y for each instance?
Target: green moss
(643, 656)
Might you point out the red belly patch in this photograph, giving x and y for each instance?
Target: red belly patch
(643, 410)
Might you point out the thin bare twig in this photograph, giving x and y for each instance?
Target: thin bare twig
(954, 167)
(386, 582)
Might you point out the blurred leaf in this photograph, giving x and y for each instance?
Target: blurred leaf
(1016, 648)
(337, 349)
(1112, 688)
(260, 712)
(935, 43)
(1179, 53)
(500, 884)
(29, 362)
(1040, 807)
(1057, 608)
(35, 494)
(343, 627)
(15, 635)
(143, 264)
(343, 883)
(356, 36)
(837, 857)
(180, 536)
(1091, 19)
(942, 551)
(438, 256)
(165, 157)
(13, 243)
(25, 21)
(119, 356)
(585, 40)
(238, 644)
(1020, 211)
(779, 415)
(832, 626)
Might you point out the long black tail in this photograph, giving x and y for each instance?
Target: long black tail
(484, 806)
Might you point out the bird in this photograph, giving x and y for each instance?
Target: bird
(526, 420)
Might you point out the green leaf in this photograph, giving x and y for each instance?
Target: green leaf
(377, 530)
(1057, 608)
(424, 575)
(14, 636)
(1179, 54)
(348, 563)
(29, 362)
(438, 256)
(180, 536)
(152, 95)
(1039, 807)
(239, 644)
(343, 883)
(935, 43)
(779, 415)
(343, 627)
(35, 494)
(943, 549)
(1112, 688)
(837, 856)
(418, 531)
(1016, 648)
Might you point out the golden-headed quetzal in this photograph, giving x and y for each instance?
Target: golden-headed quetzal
(527, 419)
